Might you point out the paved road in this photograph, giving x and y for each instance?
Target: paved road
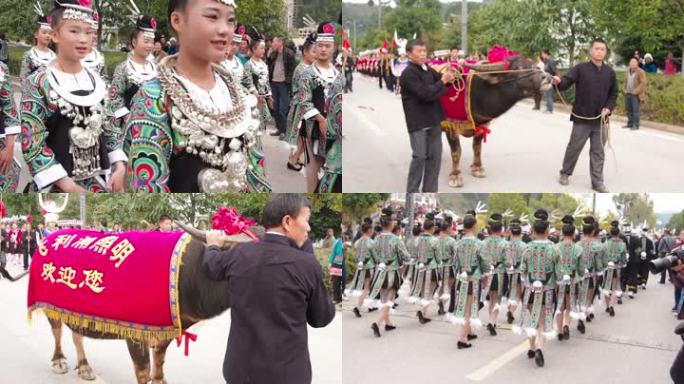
(523, 153)
(27, 349)
(277, 152)
(638, 345)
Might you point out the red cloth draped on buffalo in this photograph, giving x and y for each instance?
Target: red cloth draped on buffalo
(456, 101)
(124, 284)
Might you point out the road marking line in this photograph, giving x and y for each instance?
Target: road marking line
(491, 367)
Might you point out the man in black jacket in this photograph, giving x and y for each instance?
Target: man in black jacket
(421, 89)
(275, 289)
(281, 66)
(595, 97)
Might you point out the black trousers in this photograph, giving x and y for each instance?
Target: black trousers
(581, 132)
(337, 288)
(28, 254)
(643, 272)
(633, 275)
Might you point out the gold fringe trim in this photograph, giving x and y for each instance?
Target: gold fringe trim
(97, 325)
(181, 246)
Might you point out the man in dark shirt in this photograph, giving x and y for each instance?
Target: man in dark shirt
(281, 66)
(421, 88)
(275, 289)
(595, 97)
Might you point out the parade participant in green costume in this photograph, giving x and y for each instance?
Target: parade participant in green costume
(427, 273)
(616, 258)
(538, 277)
(363, 251)
(388, 251)
(568, 254)
(469, 265)
(493, 251)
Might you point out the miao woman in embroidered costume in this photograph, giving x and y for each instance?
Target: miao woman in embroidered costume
(40, 54)
(192, 129)
(257, 70)
(320, 100)
(296, 130)
(234, 65)
(64, 142)
(130, 75)
(9, 128)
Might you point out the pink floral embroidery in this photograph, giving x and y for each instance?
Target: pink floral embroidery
(153, 23)
(85, 3)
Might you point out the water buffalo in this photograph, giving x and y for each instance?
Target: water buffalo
(493, 92)
(200, 299)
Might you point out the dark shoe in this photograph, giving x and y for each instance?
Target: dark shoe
(472, 337)
(281, 137)
(564, 179)
(635, 128)
(560, 337)
(441, 309)
(619, 300)
(509, 317)
(600, 189)
(274, 134)
(566, 332)
(588, 320)
(612, 312)
(395, 305)
(294, 167)
(462, 345)
(372, 310)
(627, 126)
(539, 358)
(492, 329)
(591, 316)
(390, 327)
(581, 327)
(530, 354)
(607, 309)
(356, 312)
(480, 305)
(422, 319)
(376, 329)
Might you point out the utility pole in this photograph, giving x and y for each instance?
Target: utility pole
(82, 208)
(464, 27)
(411, 214)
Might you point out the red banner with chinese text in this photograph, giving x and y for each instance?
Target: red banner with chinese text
(123, 283)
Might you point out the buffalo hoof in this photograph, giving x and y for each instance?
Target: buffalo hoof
(456, 181)
(85, 372)
(479, 172)
(60, 366)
